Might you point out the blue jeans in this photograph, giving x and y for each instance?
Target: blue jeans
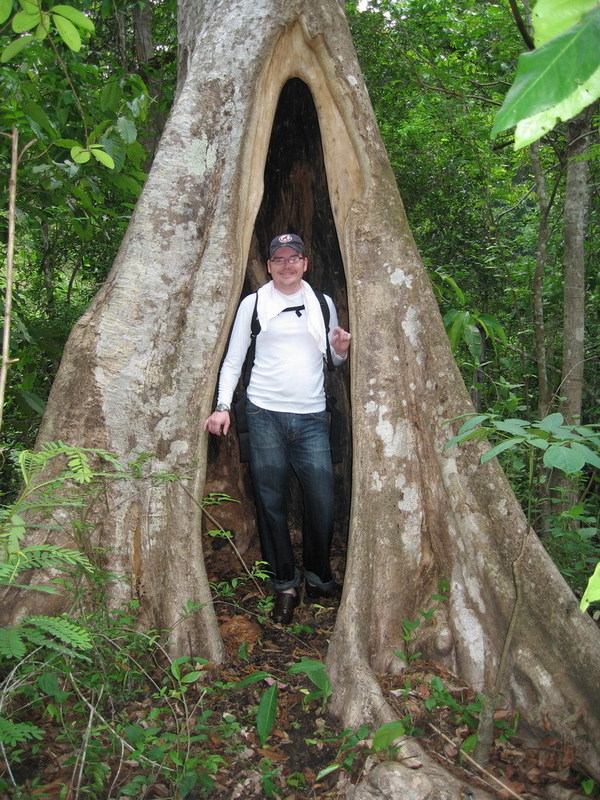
(278, 440)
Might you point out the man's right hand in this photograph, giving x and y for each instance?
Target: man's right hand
(218, 423)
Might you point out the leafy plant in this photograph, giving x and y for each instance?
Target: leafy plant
(409, 627)
(317, 674)
(560, 77)
(569, 449)
(592, 592)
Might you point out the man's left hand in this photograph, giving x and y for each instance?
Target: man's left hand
(340, 341)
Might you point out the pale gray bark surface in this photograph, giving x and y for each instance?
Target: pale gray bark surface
(140, 368)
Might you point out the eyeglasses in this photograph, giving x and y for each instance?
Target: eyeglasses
(279, 262)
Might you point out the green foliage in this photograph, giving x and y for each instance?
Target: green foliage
(572, 450)
(317, 674)
(69, 23)
(410, 627)
(592, 592)
(55, 633)
(267, 711)
(469, 327)
(568, 448)
(385, 736)
(560, 77)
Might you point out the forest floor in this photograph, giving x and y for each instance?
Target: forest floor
(302, 752)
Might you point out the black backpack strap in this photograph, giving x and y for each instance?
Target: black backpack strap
(254, 331)
(325, 311)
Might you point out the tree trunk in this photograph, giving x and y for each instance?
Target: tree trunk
(577, 202)
(234, 166)
(539, 330)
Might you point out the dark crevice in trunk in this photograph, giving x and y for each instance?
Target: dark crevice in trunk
(296, 200)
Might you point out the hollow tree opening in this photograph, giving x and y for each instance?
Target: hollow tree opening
(295, 199)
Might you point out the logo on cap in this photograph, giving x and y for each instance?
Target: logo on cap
(286, 237)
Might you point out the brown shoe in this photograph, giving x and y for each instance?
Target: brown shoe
(283, 610)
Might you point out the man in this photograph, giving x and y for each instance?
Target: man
(287, 421)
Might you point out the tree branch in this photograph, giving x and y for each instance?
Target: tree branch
(520, 23)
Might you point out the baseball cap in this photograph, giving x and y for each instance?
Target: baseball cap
(287, 240)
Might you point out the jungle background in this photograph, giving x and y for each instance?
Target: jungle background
(493, 226)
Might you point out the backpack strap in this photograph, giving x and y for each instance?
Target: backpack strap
(254, 331)
(325, 311)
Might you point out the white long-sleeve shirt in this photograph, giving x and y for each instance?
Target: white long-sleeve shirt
(288, 365)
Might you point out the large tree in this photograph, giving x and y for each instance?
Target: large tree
(272, 128)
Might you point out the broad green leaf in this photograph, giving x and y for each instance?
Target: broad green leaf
(586, 452)
(67, 32)
(469, 743)
(254, 677)
(592, 592)
(110, 96)
(450, 316)
(387, 734)
(5, 10)
(553, 17)
(564, 458)
(66, 143)
(548, 75)
(41, 32)
(499, 448)
(102, 157)
(33, 400)
(460, 295)
(473, 340)
(22, 21)
(517, 427)
(80, 155)
(127, 130)
(472, 422)
(98, 129)
(491, 326)
(36, 113)
(192, 677)
(30, 6)
(265, 716)
(76, 17)
(551, 423)
(48, 683)
(306, 666)
(127, 184)
(533, 128)
(535, 441)
(476, 433)
(457, 329)
(327, 770)
(15, 47)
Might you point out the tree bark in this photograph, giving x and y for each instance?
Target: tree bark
(140, 368)
(539, 330)
(577, 202)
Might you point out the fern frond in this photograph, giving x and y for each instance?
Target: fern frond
(79, 465)
(11, 643)
(12, 733)
(38, 638)
(63, 629)
(53, 555)
(44, 556)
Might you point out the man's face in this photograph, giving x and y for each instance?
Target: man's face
(287, 274)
